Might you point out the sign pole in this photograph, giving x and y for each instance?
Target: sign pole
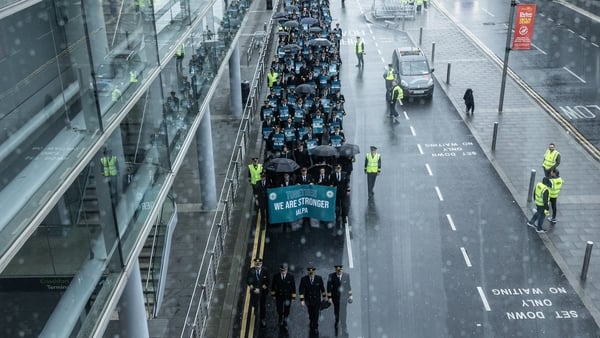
(513, 5)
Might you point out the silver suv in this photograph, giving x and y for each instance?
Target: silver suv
(414, 74)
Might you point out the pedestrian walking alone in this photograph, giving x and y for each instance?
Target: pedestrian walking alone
(312, 292)
(551, 159)
(553, 192)
(541, 204)
(339, 293)
(359, 49)
(258, 282)
(469, 101)
(283, 291)
(372, 169)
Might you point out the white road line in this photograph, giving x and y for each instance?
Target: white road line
(405, 115)
(439, 193)
(349, 246)
(412, 131)
(570, 31)
(538, 48)
(486, 305)
(487, 12)
(595, 44)
(465, 256)
(420, 149)
(451, 222)
(428, 169)
(575, 75)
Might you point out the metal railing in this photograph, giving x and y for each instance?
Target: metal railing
(206, 280)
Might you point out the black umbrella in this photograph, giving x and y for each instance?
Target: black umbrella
(292, 48)
(315, 29)
(291, 24)
(308, 21)
(282, 165)
(280, 15)
(324, 150)
(349, 150)
(305, 89)
(319, 42)
(290, 8)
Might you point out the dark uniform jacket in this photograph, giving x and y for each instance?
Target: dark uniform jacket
(260, 281)
(260, 192)
(312, 294)
(337, 288)
(283, 288)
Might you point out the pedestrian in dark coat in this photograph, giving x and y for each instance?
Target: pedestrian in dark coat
(469, 101)
(283, 291)
(339, 293)
(312, 292)
(341, 181)
(258, 282)
(260, 198)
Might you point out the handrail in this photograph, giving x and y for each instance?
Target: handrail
(199, 306)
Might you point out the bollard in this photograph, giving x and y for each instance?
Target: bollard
(421, 36)
(432, 53)
(448, 74)
(586, 260)
(531, 185)
(494, 136)
(403, 21)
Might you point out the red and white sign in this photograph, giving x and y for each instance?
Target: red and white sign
(524, 27)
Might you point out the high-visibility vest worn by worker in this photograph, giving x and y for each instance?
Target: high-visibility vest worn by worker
(116, 94)
(397, 93)
(554, 190)
(109, 165)
(550, 158)
(255, 173)
(132, 77)
(272, 78)
(390, 75)
(373, 163)
(180, 50)
(540, 189)
(360, 47)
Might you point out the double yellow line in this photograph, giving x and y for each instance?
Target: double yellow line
(258, 248)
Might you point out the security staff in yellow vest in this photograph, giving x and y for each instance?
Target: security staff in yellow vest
(396, 98)
(542, 194)
(116, 94)
(109, 164)
(272, 77)
(372, 169)
(133, 76)
(553, 192)
(551, 159)
(359, 49)
(254, 171)
(389, 77)
(179, 55)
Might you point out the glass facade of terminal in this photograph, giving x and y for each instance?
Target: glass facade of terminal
(98, 98)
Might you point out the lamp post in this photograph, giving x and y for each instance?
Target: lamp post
(513, 5)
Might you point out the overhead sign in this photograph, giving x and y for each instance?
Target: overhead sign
(288, 204)
(524, 27)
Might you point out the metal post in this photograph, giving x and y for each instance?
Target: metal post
(494, 136)
(448, 74)
(513, 4)
(432, 53)
(531, 185)
(420, 36)
(403, 21)
(586, 259)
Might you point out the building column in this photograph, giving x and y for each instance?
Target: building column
(132, 312)
(206, 164)
(235, 82)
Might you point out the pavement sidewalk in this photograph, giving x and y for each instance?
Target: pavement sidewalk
(525, 129)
